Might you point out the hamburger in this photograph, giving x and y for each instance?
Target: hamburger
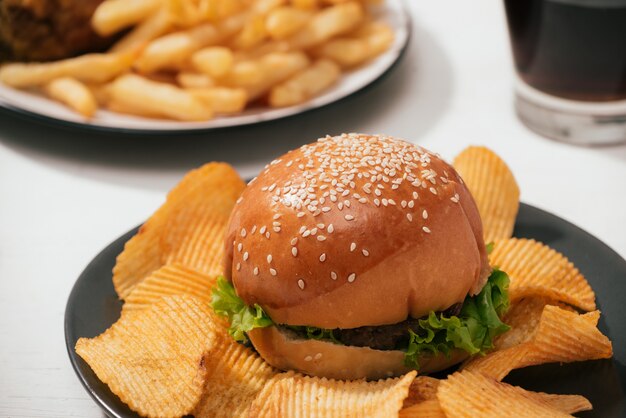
(360, 256)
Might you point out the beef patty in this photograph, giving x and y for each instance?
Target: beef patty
(381, 337)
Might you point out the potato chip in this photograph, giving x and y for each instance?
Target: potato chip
(172, 280)
(153, 359)
(423, 388)
(469, 394)
(426, 409)
(536, 269)
(188, 229)
(294, 395)
(569, 404)
(235, 375)
(494, 189)
(561, 336)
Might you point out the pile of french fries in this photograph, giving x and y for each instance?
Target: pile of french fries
(191, 60)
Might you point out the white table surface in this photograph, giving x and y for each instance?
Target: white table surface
(65, 195)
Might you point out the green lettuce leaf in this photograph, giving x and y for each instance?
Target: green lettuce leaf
(473, 330)
(242, 318)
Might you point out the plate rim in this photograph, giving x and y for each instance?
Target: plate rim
(10, 109)
(109, 411)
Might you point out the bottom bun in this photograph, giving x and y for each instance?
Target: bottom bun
(334, 361)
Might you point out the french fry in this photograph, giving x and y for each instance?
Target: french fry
(174, 48)
(351, 52)
(151, 28)
(163, 99)
(285, 21)
(306, 84)
(74, 94)
(114, 15)
(305, 4)
(222, 99)
(123, 108)
(327, 23)
(267, 72)
(214, 61)
(94, 68)
(252, 34)
(194, 80)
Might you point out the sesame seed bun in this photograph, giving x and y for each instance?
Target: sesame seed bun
(333, 361)
(355, 230)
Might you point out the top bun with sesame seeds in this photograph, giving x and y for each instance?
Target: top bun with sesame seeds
(355, 230)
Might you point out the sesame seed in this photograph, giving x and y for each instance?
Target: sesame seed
(365, 253)
(269, 258)
(325, 209)
(301, 284)
(411, 204)
(302, 229)
(318, 356)
(238, 266)
(425, 214)
(306, 233)
(330, 228)
(351, 277)
(294, 251)
(294, 240)
(239, 247)
(426, 229)
(433, 190)
(253, 230)
(349, 217)
(262, 230)
(308, 358)
(323, 257)
(300, 214)
(321, 238)
(256, 271)
(245, 256)
(276, 216)
(352, 246)
(243, 232)
(333, 275)
(409, 217)
(273, 272)
(267, 235)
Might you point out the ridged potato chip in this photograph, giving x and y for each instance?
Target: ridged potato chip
(235, 375)
(494, 189)
(426, 409)
(294, 395)
(561, 336)
(570, 404)
(422, 389)
(537, 270)
(154, 359)
(188, 228)
(467, 395)
(169, 280)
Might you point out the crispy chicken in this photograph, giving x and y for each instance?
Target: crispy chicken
(42, 30)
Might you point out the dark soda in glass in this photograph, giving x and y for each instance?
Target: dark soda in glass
(573, 49)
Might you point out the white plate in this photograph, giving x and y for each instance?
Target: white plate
(393, 12)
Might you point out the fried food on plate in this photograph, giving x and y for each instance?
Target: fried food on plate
(281, 53)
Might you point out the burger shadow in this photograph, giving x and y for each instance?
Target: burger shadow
(407, 102)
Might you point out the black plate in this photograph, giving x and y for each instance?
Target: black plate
(93, 306)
